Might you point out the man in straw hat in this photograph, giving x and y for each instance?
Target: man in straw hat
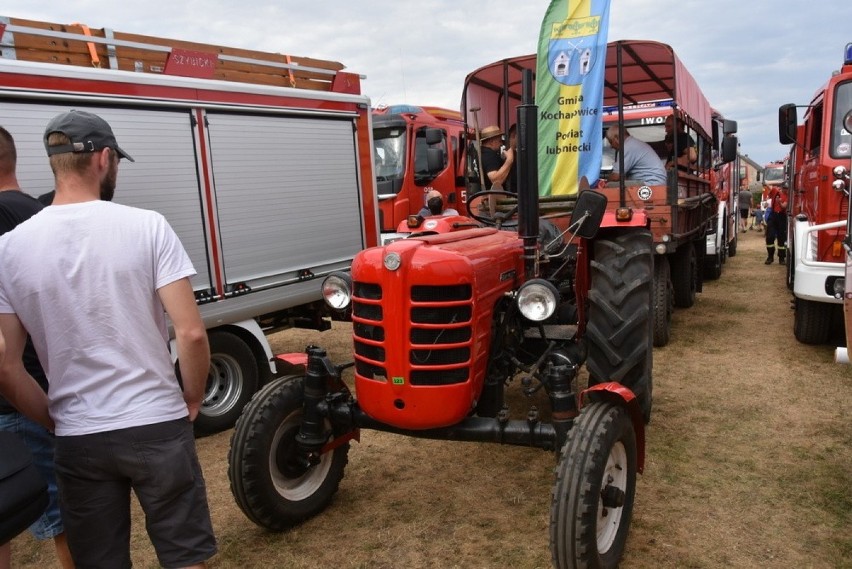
(495, 166)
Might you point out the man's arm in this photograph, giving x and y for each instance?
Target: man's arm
(499, 176)
(191, 338)
(16, 384)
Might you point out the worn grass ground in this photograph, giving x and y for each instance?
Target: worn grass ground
(749, 464)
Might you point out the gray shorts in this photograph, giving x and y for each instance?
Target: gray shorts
(159, 463)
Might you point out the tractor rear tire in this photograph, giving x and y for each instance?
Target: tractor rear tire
(662, 301)
(620, 327)
(684, 268)
(592, 500)
(270, 486)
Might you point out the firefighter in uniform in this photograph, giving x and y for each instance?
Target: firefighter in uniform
(776, 225)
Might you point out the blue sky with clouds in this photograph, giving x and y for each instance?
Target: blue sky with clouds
(749, 57)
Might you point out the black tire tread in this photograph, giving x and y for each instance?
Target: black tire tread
(222, 341)
(662, 302)
(683, 270)
(575, 493)
(812, 321)
(620, 326)
(248, 459)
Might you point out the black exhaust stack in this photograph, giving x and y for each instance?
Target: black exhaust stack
(528, 174)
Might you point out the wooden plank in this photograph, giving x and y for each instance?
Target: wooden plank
(39, 48)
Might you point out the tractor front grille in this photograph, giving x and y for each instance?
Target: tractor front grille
(438, 319)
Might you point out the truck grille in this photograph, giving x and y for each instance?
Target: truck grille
(439, 338)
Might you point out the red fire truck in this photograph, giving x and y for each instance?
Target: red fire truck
(819, 204)
(416, 149)
(263, 168)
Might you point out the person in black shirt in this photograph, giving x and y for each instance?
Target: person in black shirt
(687, 153)
(495, 166)
(15, 208)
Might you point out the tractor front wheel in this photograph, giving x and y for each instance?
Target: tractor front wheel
(270, 481)
(592, 500)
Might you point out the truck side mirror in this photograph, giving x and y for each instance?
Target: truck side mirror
(434, 135)
(729, 149)
(434, 160)
(729, 127)
(787, 122)
(588, 214)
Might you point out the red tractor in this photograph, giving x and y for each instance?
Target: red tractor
(444, 321)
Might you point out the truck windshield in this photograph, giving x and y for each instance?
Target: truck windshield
(389, 153)
(841, 139)
(774, 174)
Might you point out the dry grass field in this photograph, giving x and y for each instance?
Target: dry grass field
(749, 464)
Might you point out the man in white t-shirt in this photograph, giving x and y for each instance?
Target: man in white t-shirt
(92, 282)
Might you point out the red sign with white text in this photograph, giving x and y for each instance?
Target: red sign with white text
(188, 63)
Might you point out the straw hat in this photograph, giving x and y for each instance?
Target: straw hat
(490, 132)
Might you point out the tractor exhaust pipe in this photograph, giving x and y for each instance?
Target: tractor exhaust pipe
(528, 174)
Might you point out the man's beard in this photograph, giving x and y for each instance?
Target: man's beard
(108, 182)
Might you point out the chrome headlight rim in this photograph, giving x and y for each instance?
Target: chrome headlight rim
(537, 300)
(337, 290)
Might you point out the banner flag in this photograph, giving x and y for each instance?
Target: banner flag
(569, 93)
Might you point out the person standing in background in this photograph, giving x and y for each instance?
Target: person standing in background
(15, 208)
(745, 203)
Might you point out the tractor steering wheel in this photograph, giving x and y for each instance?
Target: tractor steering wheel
(477, 208)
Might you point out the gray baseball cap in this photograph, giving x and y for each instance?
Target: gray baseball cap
(88, 133)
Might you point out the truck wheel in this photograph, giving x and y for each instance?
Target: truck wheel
(713, 266)
(620, 326)
(684, 276)
(231, 382)
(662, 301)
(592, 499)
(812, 321)
(791, 264)
(732, 246)
(269, 484)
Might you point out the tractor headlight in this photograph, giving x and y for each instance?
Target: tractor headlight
(337, 290)
(537, 300)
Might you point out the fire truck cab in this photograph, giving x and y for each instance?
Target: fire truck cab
(819, 205)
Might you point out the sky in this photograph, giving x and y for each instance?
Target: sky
(748, 56)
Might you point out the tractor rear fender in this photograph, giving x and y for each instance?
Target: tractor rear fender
(619, 395)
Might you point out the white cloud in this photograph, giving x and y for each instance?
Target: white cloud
(748, 57)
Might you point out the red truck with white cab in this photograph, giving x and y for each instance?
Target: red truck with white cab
(819, 205)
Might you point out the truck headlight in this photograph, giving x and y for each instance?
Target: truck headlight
(337, 290)
(838, 287)
(537, 300)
